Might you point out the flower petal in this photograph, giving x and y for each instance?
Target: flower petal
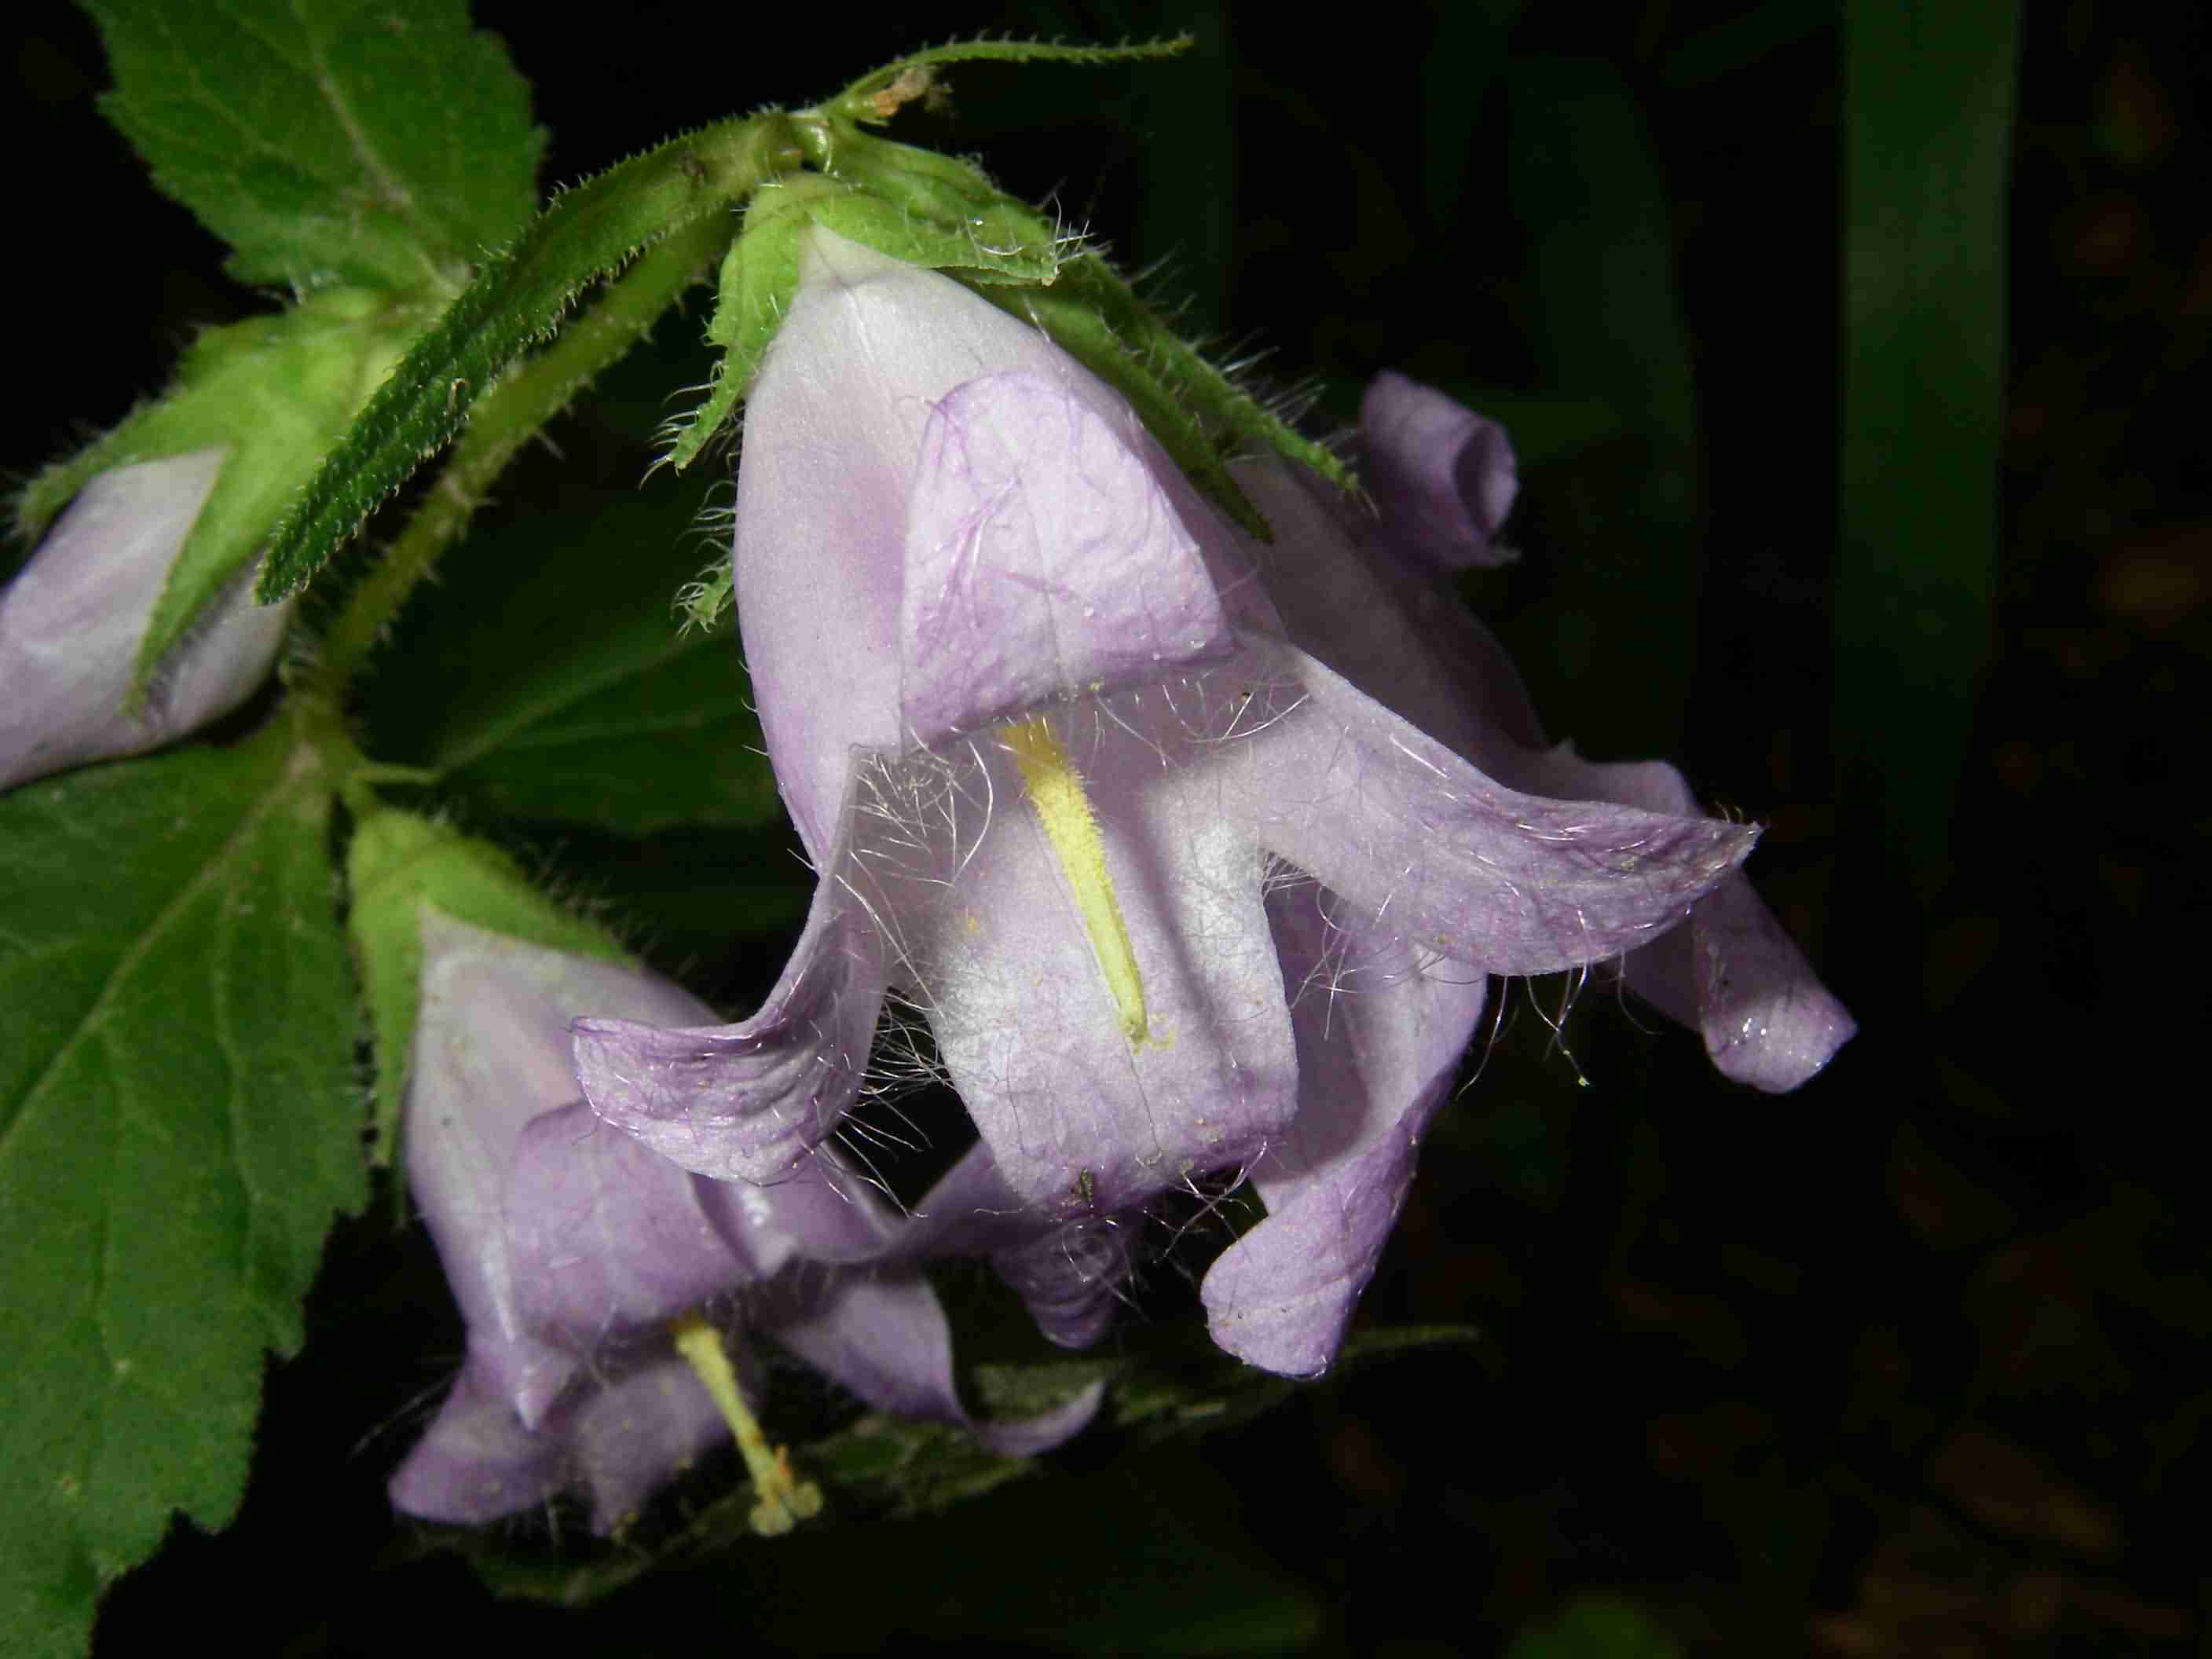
(1403, 828)
(885, 1338)
(72, 621)
(747, 1102)
(1043, 559)
(1443, 476)
(476, 1462)
(1072, 1280)
(1082, 1116)
(833, 427)
(1380, 1033)
(820, 1211)
(606, 1236)
(1732, 975)
(490, 1053)
(1386, 624)
(1070, 1273)
(627, 1439)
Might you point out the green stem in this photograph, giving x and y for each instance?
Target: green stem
(504, 420)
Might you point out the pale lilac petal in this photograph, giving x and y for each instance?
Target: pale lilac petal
(1080, 1118)
(1043, 559)
(476, 1462)
(629, 1438)
(72, 621)
(604, 1236)
(748, 1102)
(821, 1212)
(1070, 1273)
(1411, 834)
(1387, 625)
(1072, 1280)
(1732, 975)
(490, 1053)
(1380, 1032)
(1443, 476)
(885, 1339)
(832, 432)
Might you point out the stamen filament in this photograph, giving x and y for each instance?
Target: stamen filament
(1055, 794)
(785, 1500)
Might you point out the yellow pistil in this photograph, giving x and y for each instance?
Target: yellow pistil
(785, 1500)
(1056, 795)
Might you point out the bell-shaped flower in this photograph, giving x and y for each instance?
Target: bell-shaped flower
(604, 1288)
(72, 621)
(1051, 745)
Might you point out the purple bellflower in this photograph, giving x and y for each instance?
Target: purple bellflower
(71, 622)
(1178, 886)
(600, 1282)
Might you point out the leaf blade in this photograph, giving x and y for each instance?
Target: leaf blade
(386, 144)
(1927, 135)
(164, 1199)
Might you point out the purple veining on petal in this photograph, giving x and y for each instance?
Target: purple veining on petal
(747, 1102)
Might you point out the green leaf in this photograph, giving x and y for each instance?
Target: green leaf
(178, 1124)
(520, 298)
(276, 393)
(1926, 136)
(553, 680)
(381, 142)
(1162, 1385)
(397, 864)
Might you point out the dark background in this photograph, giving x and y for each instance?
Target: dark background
(1911, 1362)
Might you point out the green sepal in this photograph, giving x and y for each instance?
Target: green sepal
(881, 93)
(945, 218)
(277, 391)
(933, 210)
(1241, 422)
(398, 864)
(381, 142)
(521, 298)
(759, 276)
(1076, 326)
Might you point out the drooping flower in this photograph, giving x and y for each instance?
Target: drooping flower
(1361, 592)
(1051, 744)
(72, 620)
(604, 1288)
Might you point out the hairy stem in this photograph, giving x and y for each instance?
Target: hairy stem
(507, 418)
